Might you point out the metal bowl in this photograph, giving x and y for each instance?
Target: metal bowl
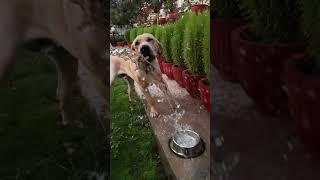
(186, 144)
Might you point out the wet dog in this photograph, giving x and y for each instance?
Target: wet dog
(140, 66)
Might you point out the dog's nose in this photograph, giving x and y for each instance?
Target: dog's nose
(145, 50)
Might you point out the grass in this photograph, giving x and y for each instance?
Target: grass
(33, 144)
(133, 148)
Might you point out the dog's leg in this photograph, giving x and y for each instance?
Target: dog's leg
(164, 88)
(130, 87)
(67, 68)
(151, 104)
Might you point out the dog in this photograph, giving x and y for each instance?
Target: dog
(75, 25)
(142, 69)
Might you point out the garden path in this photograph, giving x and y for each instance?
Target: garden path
(255, 146)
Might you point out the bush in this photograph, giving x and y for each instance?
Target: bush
(206, 44)
(127, 35)
(166, 41)
(150, 30)
(140, 30)
(311, 27)
(227, 9)
(158, 33)
(275, 20)
(193, 37)
(177, 41)
(311, 24)
(133, 34)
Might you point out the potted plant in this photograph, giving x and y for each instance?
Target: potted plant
(133, 34)
(170, 6)
(177, 50)
(272, 36)
(121, 41)
(227, 16)
(127, 37)
(204, 83)
(199, 5)
(193, 54)
(158, 36)
(166, 44)
(303, 80)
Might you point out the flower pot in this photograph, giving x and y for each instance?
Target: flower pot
(162, 21)
(177, 74)
(172, 17)
(121, 43)
(304, 103)
(191, 83)
(204, 90)
(167, 67)
(222, 46)
(199, 8)
(260, 71)
(114, 44)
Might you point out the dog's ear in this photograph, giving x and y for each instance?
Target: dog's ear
(159, 48)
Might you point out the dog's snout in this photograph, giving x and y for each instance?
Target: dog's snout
(145, 50)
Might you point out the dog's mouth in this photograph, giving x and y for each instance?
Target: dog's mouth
(149, 58)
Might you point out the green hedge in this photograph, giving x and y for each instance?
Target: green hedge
(206, 44)
(177, 41)
(127, 35)
(185, 43)
(275, 20)
(133, 34)
(166, 42)
(193, 45)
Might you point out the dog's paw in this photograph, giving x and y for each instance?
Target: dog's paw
(154, 114)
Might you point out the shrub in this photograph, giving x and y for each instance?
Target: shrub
(311, 27)
(193, 36)
(150, 30)
(133, 34)
(311, 24)
(166, 42)
(227, 9)
(177, 41)
(206, 44)
(275, 20)
(140, 30)
(158, 33)
(127, 35)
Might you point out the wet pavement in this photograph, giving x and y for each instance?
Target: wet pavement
(252, 146)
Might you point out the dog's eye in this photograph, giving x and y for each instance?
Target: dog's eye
(137, 43)
(149, 39)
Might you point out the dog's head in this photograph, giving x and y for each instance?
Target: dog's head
(147, 45)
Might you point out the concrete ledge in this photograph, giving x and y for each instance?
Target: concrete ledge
(190, 115)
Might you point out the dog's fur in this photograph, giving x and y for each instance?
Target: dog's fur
(142, 77)
(76, 25)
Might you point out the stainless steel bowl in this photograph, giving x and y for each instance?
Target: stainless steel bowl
(186, 144)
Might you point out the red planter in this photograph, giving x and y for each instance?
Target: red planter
(121, 43)
(191, 83)
(173, 16)
(162, 21)
(204, 89)
(177, 74)
(167, 68)
(199, 8)
(114, 43)
(129, 44)
(304, 103)
(260, 71)
(222, 47)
